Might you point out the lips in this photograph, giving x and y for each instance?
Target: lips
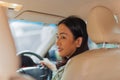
(60, 49)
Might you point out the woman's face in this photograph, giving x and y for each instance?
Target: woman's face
(65, 41)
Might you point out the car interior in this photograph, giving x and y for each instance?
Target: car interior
(28, 28)
(8, 59)
(101, 63)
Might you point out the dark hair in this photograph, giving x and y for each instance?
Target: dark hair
(78, 28)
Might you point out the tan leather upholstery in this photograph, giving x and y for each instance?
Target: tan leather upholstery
(9, 62)
(20, 77)
(101, 64)
(97, 64)
(8, 59)
(102, 26)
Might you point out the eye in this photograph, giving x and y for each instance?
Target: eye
(63, 37)
(57, 37)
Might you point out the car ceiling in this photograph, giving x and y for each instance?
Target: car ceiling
(59, 8)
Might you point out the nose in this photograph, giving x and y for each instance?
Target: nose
(58, 42)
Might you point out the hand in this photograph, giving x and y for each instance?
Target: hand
(49, 64)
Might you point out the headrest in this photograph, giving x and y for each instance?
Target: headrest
(8, 60)
(102, 26)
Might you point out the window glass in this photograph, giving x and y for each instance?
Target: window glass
(33, 36)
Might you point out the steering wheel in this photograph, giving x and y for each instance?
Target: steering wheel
(38, 72)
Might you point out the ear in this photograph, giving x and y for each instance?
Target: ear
(78, 42)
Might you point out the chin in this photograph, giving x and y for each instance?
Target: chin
(61, 54)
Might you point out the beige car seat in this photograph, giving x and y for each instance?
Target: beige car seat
(102, 63)
(9, 62)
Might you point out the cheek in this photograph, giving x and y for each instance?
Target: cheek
(69, 45)
(69, 48)
(65, 51)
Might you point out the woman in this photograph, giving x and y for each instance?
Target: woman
(72, 40)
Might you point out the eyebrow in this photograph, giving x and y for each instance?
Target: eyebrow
(62, 33)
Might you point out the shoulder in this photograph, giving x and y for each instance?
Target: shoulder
(58, 74)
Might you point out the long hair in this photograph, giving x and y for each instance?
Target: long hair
(78, 28)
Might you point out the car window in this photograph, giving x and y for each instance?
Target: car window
(32, 36)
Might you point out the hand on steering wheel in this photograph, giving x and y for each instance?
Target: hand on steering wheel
(38, 72)
(49, 64)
